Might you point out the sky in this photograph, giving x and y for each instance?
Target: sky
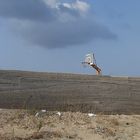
(55, 35)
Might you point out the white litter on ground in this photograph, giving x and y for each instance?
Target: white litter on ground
(43, 111)
(40, 113)
(91, 115)
(58, 113)
(37, 114)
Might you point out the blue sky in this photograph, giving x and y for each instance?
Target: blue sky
(55, 35)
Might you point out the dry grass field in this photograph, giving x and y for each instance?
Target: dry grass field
(27, 125)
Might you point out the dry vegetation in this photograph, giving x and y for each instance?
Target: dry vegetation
(24, 125)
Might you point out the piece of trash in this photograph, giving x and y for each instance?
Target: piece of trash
(37, 114)
(40, 113)
(58, 113)
(91, 115)
(43, 111)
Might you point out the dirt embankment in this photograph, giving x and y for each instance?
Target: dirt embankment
(27, 125)
(69, 92)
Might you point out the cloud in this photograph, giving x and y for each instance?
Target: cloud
(26, 10)
(64, 34)
(53, 23)
(79, 6)
(51, 3)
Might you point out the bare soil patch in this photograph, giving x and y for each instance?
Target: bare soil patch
(26, 125)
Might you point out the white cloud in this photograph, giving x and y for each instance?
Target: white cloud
(80, 6)
(51, 3)
(67, 5)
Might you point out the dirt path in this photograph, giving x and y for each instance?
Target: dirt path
(24, 125)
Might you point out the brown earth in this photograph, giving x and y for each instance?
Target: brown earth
(24, 125)
(69, 92)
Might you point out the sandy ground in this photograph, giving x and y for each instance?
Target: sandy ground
(27, 125)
